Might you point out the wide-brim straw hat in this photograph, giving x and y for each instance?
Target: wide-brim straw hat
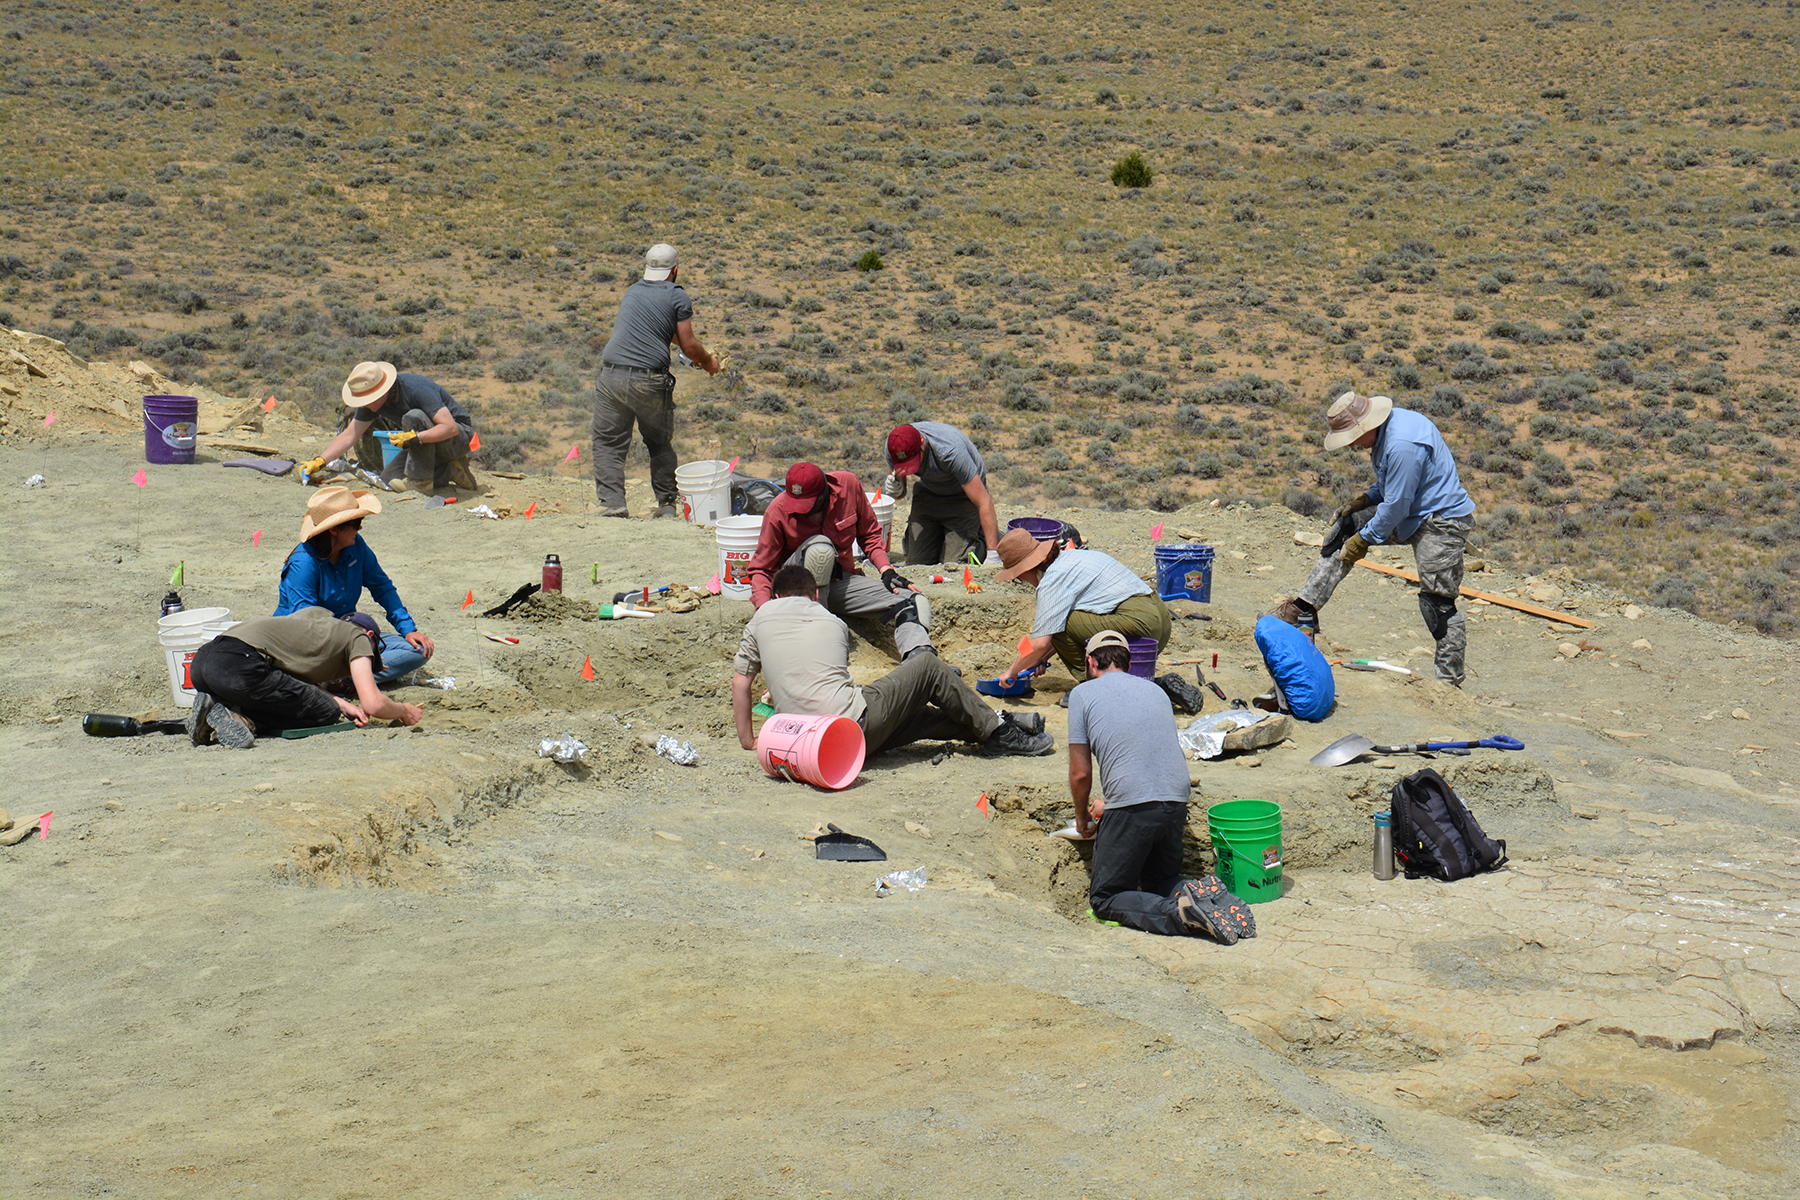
(330, 507)
(1019, 552)
(1350, 416)
(368, 383)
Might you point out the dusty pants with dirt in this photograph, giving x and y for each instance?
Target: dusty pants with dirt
(937, 525)
(923, 698)
(1136, 617)
(624, 396)
(1438, 549)
(417, 459)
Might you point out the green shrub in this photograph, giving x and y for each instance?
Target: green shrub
(1131, 172)
(870, 261)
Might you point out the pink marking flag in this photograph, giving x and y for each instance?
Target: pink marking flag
(732, 465)
(256, 538)
(712, 585)
(1157, 532)
(140, 478)
(530, 510)
(573, 454)
(269, 404)
(44, 826)
(49, 419)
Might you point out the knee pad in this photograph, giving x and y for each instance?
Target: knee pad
(1437, 611)
(923, 605)
(900, 614)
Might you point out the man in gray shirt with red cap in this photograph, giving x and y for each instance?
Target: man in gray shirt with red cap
(952, 496)
(635, 386)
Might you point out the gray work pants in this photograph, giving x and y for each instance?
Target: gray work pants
(1437, 545)
(937, 524)
(623, 396)
(866, 596)
(923, 698)
(418, 460)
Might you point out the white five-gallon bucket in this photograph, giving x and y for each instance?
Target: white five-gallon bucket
(884, 517)
(705, 489)
(737, 537)
(182, 634)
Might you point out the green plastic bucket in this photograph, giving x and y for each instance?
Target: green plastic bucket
(1246, 838)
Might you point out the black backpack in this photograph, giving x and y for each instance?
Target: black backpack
(1435, 835)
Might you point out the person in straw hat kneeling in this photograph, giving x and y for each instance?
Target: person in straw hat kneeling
(1416, 499)
(412, 415)
(332, 565)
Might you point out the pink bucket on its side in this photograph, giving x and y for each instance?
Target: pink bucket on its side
(826, 752)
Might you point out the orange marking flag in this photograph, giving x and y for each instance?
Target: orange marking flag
(587, 668)
(469, 599)
(530, 510)
(981, 806)
(474, 441)
(269, 404)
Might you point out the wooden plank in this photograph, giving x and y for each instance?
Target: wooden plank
(1492, 598)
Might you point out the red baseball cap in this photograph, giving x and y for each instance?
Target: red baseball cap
(905, 449)
(804, 481)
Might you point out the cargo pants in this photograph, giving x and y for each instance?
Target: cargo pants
(1438, 545)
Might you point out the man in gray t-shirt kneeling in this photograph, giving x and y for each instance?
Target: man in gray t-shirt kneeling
(1127, 726)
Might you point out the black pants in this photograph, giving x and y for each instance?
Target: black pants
(241, 679)
(1137, 866)
(942, 529)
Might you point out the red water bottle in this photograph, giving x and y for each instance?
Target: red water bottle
(552, 573)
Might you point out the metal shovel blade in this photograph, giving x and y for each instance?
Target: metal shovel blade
(1342, 751)
(846, 847)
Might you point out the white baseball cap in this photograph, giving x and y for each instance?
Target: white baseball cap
(659, 262)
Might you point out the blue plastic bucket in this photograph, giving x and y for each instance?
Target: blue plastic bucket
(170, 423)
(1143, 657)
(389, 451)
(1184, 572)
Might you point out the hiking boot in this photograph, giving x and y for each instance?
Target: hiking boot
(819, 560)
(1063, 700)
(1204, 906)
(1183, 695)
(199, 732)
(230, 729)
(1299, 614)
(458, 475)
(664, 510)
(1031, 723)
(620, 511)
(931, 650)
(1009, 738)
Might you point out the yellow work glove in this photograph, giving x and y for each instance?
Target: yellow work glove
(312, 466)
(1361, 502)
(1354, 550)
(401, 437)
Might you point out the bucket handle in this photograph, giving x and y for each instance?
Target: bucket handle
(781, 768)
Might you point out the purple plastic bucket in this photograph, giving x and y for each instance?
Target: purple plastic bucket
(1143, 657)
(170, 423)
(1044, 529)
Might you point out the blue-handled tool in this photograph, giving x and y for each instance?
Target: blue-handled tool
(1355, 745)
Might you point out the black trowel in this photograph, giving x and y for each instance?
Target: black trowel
(847, 847)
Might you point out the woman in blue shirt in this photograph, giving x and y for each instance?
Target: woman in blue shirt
(332, 565)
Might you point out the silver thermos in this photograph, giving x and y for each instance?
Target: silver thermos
(1384, 845)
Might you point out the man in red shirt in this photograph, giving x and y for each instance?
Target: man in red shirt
(817, 522)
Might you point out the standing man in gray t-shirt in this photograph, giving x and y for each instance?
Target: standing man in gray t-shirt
(1125, 724)
(951, 496)
(635, 385)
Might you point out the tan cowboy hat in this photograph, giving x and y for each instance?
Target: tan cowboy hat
(368, 383)
(1350, 416)
(332, 506)
(1019, 552)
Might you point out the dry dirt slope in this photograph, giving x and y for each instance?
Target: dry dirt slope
(428, 961)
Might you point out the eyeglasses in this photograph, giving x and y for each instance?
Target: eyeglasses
(354, 526)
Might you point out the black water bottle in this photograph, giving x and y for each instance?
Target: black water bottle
(108, 725)
(171, 603)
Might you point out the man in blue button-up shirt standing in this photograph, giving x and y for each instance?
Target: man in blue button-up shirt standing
(1416, 499)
